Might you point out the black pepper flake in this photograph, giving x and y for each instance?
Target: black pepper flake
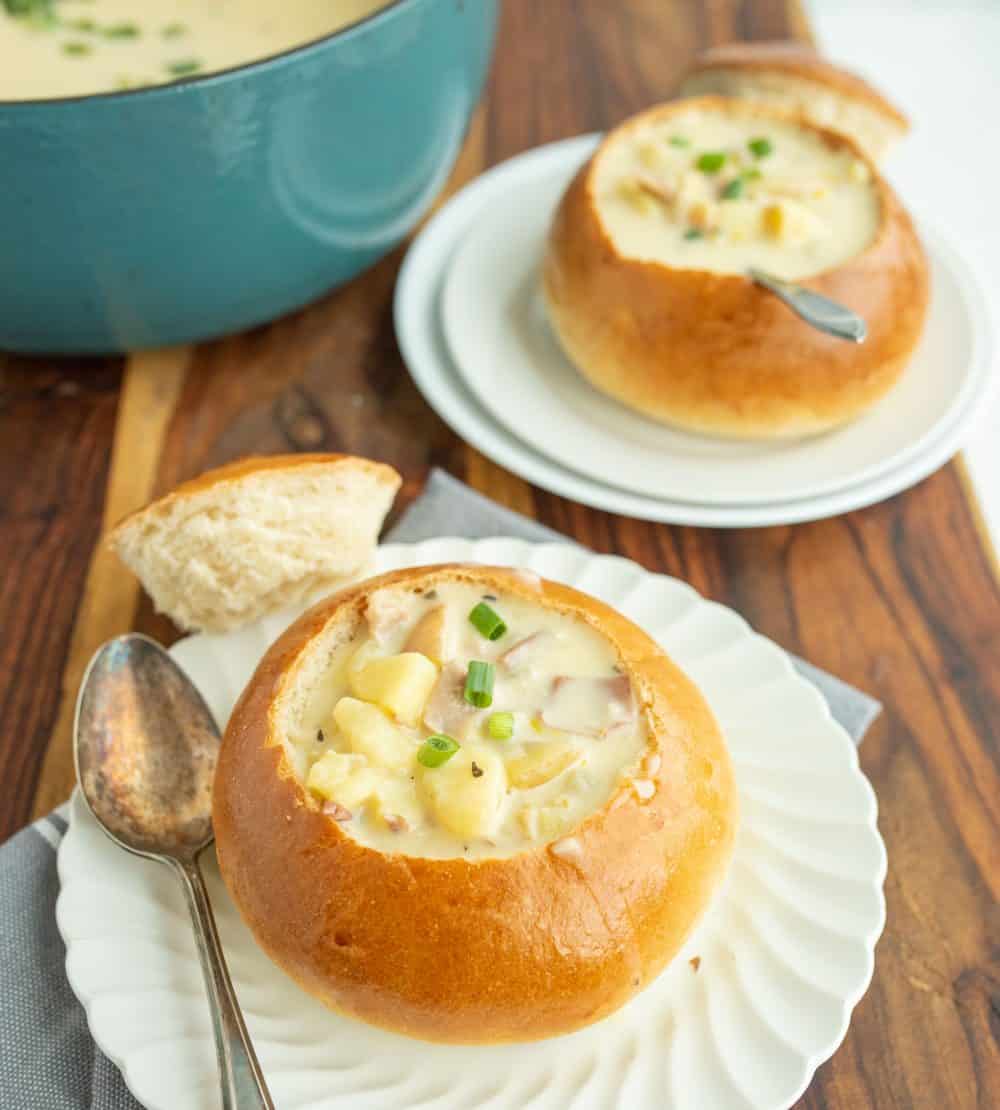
(489, 597)
(319, 736)
(477, 771)
(431, 595)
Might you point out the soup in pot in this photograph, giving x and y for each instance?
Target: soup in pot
(59, 48)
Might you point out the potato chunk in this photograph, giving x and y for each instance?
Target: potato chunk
(343, 778)
(466, 793)
(400, 684)
(538, 763)
(370, 733)
(790, 222)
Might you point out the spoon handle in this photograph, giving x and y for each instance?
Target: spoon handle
(243, 1086)
(819, 311)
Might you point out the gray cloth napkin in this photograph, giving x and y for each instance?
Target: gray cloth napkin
(47, 1058)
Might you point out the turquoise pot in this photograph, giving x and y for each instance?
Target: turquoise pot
(177, 213)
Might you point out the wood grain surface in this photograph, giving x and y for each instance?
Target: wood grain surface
(900, 599)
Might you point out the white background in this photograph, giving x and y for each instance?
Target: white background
(940, 62)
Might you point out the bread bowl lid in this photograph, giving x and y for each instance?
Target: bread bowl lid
(796, 60)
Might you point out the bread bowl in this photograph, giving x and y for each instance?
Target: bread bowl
(794, 76)
(521, 887)
(644, 275)
(256, 535)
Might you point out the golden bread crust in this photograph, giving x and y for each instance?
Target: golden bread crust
(715, 353)
(254, 464)
(494, 949)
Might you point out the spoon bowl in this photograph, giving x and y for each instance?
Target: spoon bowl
(146, 747)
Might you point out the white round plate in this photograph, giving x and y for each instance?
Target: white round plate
(419, 331)
(785, 951)
(496, 329)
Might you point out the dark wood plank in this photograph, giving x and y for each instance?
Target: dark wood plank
(56, 426)
(900, 599)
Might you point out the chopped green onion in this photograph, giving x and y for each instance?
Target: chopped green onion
(487, 621)
(694, 233)
(121, 31)
(38, 12)
(81, 24)
(479, 684)
(501, 726)
(732, 189)
(751, 174)
(76, 49)
(711, 162)
(174, 30)
(183, 68)
(760, 148)
(679, 140)
(435, 750)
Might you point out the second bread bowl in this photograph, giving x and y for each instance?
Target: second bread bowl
(460, 871)
(645, 271)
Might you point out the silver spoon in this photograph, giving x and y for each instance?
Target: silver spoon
(145, 748)
(819, 311)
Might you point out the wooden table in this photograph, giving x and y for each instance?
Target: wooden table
(901, 599)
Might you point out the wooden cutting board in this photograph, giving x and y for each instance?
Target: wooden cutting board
(901, 599)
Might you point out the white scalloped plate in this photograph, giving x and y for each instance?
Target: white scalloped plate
(786, 950)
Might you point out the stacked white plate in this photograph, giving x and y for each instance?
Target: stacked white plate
(473, 331)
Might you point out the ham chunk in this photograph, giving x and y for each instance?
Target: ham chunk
(447, 710)
(432, 636)
(518, 656)
(589, 706)
(387, 611)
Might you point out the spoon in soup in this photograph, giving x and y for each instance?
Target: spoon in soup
(822, 313)
(145, 747)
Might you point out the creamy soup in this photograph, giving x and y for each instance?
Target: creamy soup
(53, 48)
(462, 724)
(708, 191)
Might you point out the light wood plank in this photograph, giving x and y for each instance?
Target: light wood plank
(151, 386)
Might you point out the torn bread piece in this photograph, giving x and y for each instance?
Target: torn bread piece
(255, 536)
